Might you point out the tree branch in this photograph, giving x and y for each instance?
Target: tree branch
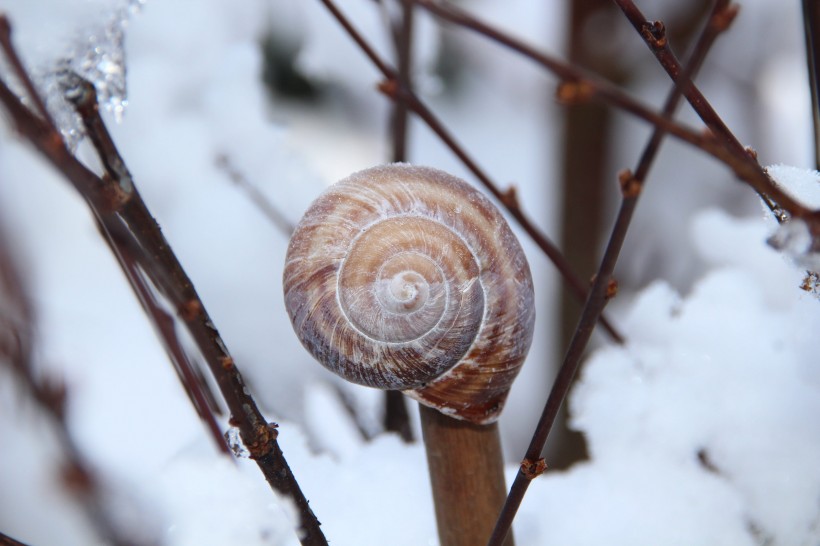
(508, 198)
(265, 206)
(51, 397)
(603, 287)
(811, 29)
(579, 85)
(396, 417)
(6, 540)
(116, 203)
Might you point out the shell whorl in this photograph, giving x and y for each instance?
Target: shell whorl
(407, 278)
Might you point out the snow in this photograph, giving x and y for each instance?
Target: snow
(804, 184)
(722, 372)
(332, 429)
(793, 237)
(223, 492)
(702, 429)
(379, 495)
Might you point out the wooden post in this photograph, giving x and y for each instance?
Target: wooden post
(467, 475)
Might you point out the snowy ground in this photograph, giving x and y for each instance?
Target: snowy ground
(702, 429)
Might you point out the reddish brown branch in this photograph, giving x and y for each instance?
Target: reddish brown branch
(20, 71)
(6, 540)
(396, 417)
(265, 206)
(811, 31)
(506, 198)
(653, 34)
(584, 86)
(399, 120)
(51, 397)
(123, 246)
(123, 214)
(198, 391)
(602, 287)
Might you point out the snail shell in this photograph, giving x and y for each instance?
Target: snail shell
(407, 278)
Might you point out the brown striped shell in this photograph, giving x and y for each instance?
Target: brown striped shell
(407, 278)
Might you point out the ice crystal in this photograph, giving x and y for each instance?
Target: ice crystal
(794, 238)
(97, 55)
(234, 439)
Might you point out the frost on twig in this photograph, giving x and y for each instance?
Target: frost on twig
(93, 49)
(793, 236)
(794, 239)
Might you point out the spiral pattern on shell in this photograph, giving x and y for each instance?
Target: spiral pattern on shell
(407, 278)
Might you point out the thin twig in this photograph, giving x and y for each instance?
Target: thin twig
(396, 417)
(271, 212)
(399, 119)
(198, 391)
(51, 397)
(121, 245)
(811, 29)
(167, 273)
(20, 71)
(579, 85)
(507, 198)
(6, 540)
(654, 35)
(510, 201)
(602, 288)
(348, 403)
(121, 210)
(278, 220)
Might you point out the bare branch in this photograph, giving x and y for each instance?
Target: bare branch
(506, 198)
(271, 212)
(603, 287)
(51, 397)
(20, 71)
(811, 29)
(129, 226)
(396, 417)
(579, 86)
(6, 540)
